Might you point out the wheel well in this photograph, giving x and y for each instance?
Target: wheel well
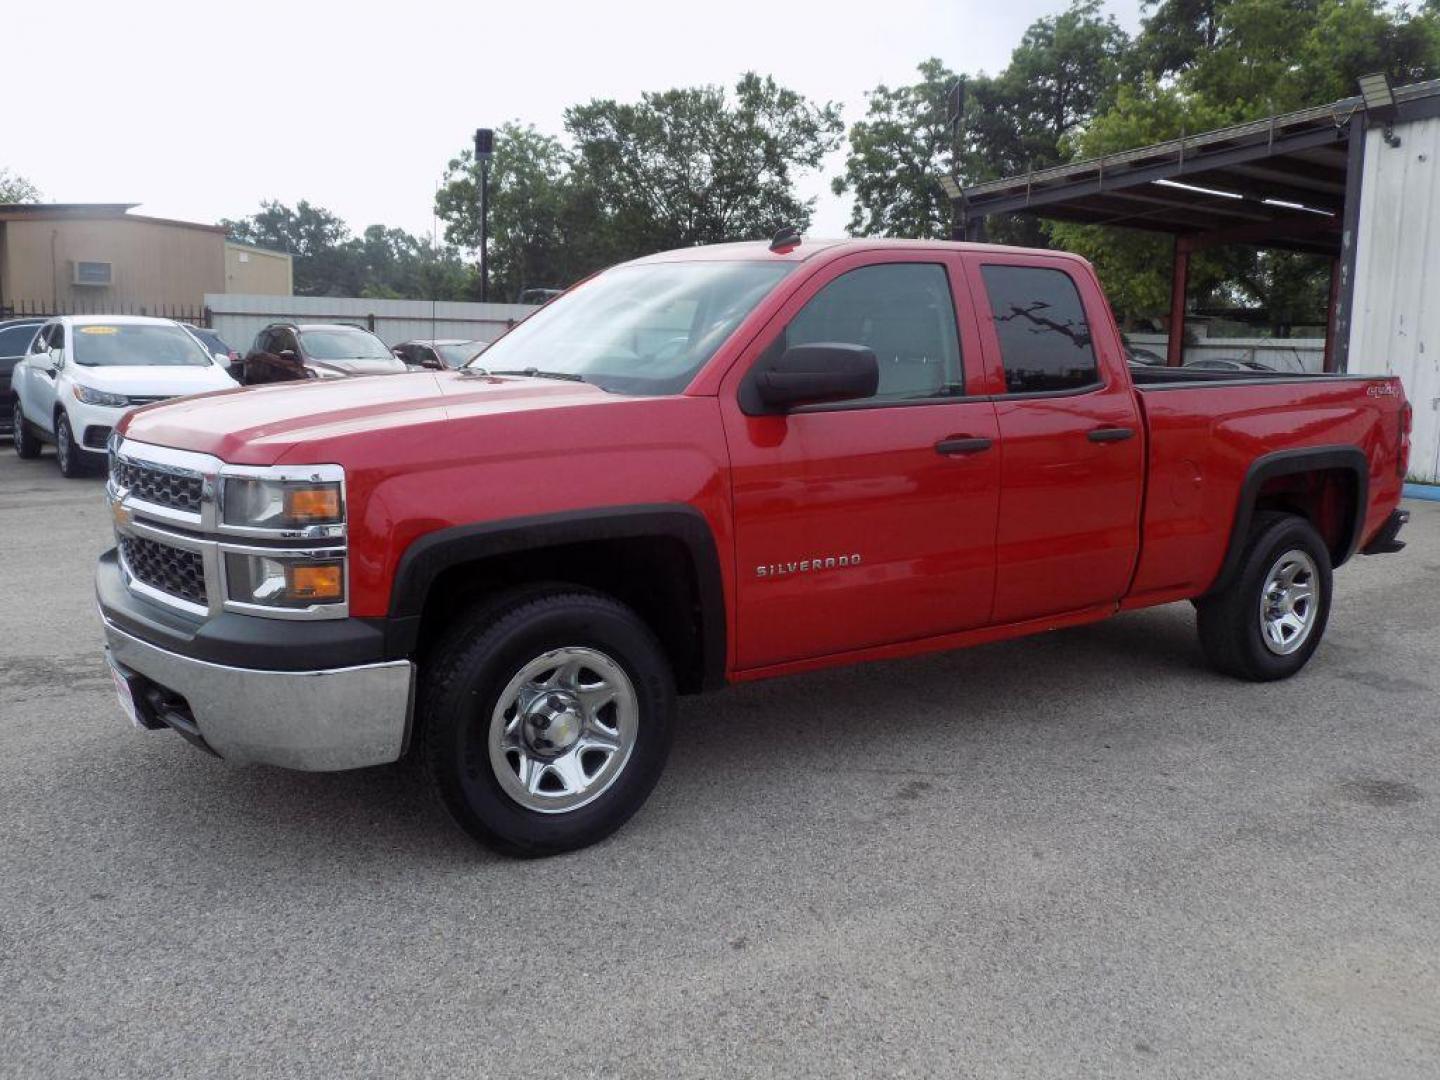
(655, 576)
(1327, 498)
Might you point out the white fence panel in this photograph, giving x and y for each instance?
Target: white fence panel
(238, 317)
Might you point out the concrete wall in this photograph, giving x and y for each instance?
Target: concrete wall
(1396, 322)
(238, 319)
(258, 271)
(154, 264)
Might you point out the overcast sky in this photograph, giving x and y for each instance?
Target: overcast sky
(199, 111)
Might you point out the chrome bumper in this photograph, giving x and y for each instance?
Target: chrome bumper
(321, 721)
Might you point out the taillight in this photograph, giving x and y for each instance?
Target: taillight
(1407, 420)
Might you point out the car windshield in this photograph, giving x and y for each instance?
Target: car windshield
(642, 329)
(461, 354)
(343, 343)
(138, 345)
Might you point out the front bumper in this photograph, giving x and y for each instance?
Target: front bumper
(321, 721)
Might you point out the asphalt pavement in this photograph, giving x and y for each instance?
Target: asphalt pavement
(1081, 854)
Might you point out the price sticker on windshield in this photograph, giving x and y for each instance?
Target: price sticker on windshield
(98, 329)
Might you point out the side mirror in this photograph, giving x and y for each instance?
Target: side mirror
(815, 375)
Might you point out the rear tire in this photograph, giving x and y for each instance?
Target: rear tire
(545, 719)
(27, 444)
(1268, 622)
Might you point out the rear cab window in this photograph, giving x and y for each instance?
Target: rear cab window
(1040, 323)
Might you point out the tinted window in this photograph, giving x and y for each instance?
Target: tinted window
(343, 344)
(1044, 337)
(14, 340)
(903, 313)
(458, 355)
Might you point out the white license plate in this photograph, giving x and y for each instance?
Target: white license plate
(126, 696)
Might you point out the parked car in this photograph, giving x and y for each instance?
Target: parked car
(15, 338)
(288, 352)
(709, 466)
(438, 354)
(214, 343)
(1219, 363)
(1138, 354)
(82, 373)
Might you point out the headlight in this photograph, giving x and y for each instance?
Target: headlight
(282, 504)
(98, 397)
(284, 582)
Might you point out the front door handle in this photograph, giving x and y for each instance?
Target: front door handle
(1110, 434)
(961, 444)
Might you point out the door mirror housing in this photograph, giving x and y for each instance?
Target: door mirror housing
(817, 374)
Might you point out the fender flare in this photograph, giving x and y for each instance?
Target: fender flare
(1288, 463)
(432, 554)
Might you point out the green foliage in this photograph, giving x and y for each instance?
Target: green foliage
(686, 166)
(1064, 70)
(14, 188)
(329, 261)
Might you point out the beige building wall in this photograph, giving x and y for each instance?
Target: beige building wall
(257, 271)
(155, 264)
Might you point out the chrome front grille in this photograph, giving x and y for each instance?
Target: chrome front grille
(171, 570)
(178, 489)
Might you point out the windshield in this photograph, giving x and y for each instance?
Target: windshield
(343, 344)
(139, 345)
(461, 354)
(638, 329)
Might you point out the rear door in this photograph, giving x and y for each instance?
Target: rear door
(1072, 473)
(869, 522)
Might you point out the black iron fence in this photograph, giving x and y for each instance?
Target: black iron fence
(40, 309)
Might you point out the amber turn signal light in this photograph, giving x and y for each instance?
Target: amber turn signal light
(306, 504)
(317, 583)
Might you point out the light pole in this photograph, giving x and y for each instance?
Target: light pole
(484, 150)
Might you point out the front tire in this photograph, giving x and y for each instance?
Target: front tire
(27, 444)
(1267, 623)
(546, 719)
(67, 454)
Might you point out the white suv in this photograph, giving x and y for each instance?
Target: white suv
(84, 372)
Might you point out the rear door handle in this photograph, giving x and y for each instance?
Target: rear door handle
(961, 444)
(1110, 434)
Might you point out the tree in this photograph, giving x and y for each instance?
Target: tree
(14, 188)
(691, 166)
(682, 167)
(897, 153)
(382, 262)
(1064, 70)
(538, 237)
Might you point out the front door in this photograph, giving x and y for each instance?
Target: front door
(870, 522)
(1074, 463)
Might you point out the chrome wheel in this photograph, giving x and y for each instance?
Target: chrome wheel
(563, 729)
(1289, 602)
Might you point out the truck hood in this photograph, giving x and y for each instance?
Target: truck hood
(152, 380)
(260, 424)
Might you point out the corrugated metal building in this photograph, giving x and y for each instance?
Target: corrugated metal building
(1396, 322)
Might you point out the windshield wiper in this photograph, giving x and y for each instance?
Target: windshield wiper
(536, 373)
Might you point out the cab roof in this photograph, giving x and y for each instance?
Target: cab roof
(808, 248)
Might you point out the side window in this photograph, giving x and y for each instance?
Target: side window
(1044, 336)
(15, 340)
(262, 342)
(904, 313)
(57, 336)
(42, 340)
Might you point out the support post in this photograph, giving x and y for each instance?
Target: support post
(1331, 311)
(1179, 283)
(484, 230)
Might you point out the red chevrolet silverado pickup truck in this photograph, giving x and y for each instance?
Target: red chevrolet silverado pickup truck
(701, 467)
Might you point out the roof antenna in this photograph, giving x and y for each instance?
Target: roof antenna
(786, 238)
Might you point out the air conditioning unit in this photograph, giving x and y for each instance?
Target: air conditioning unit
(99, 274)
